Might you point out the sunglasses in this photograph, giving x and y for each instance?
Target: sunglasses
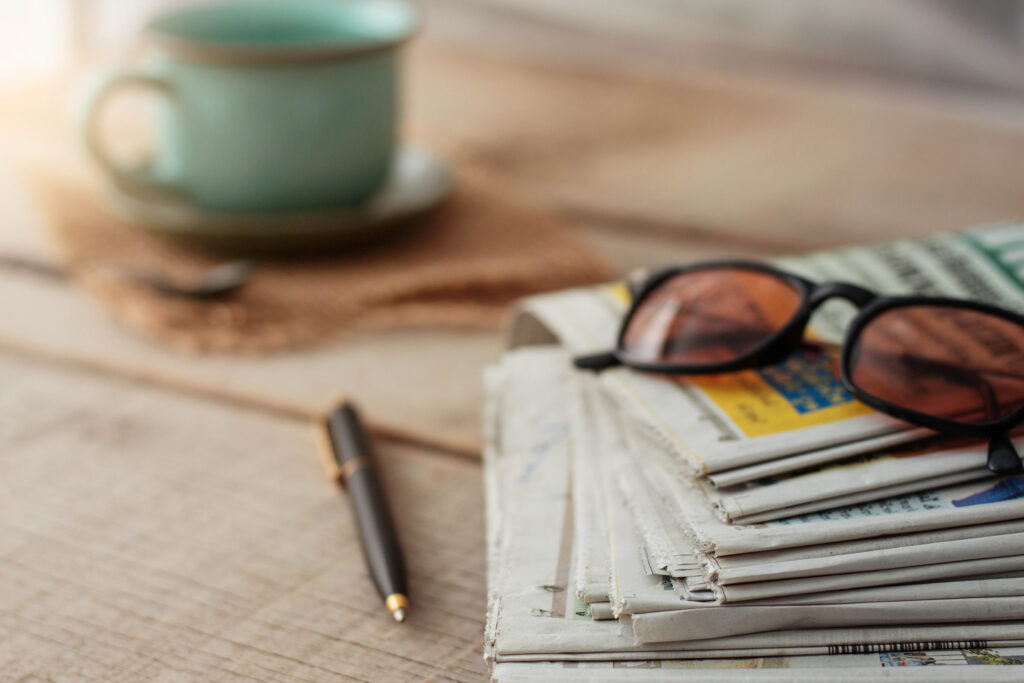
(951, 365)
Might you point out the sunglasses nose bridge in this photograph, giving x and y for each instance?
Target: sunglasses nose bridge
(858, 296)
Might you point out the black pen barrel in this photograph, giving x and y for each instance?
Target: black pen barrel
(377, 533)
(358, 474)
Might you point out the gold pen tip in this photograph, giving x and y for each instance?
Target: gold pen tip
(397, 604)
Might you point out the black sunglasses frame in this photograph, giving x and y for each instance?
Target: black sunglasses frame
(790, 337)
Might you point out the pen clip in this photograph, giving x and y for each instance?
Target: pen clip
(327, 456)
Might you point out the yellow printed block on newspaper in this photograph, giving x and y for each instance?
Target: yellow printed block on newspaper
(619, 292)
(802, 391)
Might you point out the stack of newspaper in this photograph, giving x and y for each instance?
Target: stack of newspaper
(762, 520)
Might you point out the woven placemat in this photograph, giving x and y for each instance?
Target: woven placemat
(460, 267)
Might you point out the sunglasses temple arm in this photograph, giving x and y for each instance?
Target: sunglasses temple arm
(597, 361)
(1002, 456)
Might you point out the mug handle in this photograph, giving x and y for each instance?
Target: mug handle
(95, 97)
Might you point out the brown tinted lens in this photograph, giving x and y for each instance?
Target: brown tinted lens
(943, 361)
(709, 316)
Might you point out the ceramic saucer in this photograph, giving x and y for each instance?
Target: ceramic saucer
(419, 181)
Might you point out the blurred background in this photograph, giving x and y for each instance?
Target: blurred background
(976, 45)
(731, 126)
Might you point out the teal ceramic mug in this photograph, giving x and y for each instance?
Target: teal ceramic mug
(266, 105)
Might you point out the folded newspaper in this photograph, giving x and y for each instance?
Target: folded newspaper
(763, 521)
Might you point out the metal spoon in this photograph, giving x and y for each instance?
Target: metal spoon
(217, 282)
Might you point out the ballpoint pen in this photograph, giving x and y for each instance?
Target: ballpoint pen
(350, 463)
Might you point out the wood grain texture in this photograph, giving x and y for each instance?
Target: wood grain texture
(50, 320)
(151, 536)
(774, 168)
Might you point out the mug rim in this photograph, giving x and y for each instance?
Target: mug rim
(223, 53)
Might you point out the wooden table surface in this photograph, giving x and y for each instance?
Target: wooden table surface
(164, 517)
